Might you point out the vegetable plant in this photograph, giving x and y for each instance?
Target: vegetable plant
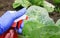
(37, 19)
(27, 3)
(36, 13)
(40, 25)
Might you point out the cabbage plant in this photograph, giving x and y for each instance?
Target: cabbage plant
(27, 3)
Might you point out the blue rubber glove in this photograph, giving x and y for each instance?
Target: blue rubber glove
(8, 18)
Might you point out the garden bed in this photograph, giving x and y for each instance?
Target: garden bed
(5, 5)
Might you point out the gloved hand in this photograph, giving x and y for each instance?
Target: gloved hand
(8, 18)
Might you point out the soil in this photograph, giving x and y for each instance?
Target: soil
(55, 16)
(7, 5)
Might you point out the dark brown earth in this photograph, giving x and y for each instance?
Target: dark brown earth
(7, 5)
(55, 16)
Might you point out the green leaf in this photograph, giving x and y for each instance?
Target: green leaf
(36, 2)
(34, 12)
(30, 26)
(46, 20)
(23, 3)
(47, 32)
(40, 14)
(48, 6)
(34, 29)
(16, 4)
